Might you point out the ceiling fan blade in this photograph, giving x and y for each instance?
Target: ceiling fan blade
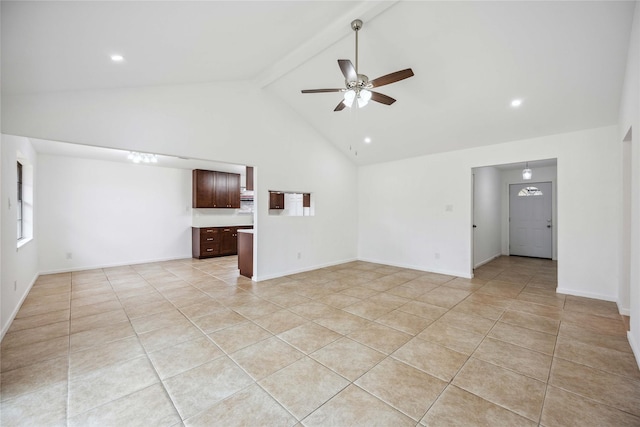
(347, 70)
(339, 107)
(381, 98)
(321, 90)
(392, 78)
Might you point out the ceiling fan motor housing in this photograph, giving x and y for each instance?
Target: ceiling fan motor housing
(361, 83)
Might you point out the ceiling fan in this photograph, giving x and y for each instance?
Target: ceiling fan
(358, 86)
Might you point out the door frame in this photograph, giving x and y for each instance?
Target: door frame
(505, 204)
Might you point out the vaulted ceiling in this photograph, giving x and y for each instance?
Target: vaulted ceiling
(564, 60)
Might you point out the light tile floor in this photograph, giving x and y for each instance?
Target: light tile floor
(356, 344)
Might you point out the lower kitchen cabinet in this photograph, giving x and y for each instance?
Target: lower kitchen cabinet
(209, 242)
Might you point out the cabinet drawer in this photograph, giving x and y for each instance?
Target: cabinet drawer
(209, 238)
(209, 248)
(209, 232)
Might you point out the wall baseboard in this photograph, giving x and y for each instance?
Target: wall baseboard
(6, 327)
(592, 295)
(466, 275)
(623, 311)
(301, 270)
(120, 264)
(634, 347)
(481, 263)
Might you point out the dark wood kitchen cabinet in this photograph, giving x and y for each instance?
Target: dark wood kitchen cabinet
(245, 254)
(249, 181)
(233, 190)
(205, 242)
(215, 241)
(276, 200)
(229, 242)
(203, 188)
(213, 189)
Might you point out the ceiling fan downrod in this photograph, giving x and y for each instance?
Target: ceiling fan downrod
(355, 26)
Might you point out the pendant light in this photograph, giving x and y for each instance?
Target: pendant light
(526, 172)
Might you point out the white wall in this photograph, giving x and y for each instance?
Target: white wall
(630, 119)
(107, 213)
(1, 195)
(248, 127)
(543, 174)
(487, 215)
(219, 217)
(19, 266)
(413, 224)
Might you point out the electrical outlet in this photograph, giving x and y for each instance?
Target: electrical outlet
(69, 255)
(299, 255)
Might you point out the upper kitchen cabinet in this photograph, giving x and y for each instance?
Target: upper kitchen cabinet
(249, 184)
(276, 200)
(213, 189)
(203, 189)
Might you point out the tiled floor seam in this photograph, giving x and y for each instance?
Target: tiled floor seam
(503, 367)
(146, 354)
(547, 383)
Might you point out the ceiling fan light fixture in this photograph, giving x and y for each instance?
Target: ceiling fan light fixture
(363, 98)
(349, 96)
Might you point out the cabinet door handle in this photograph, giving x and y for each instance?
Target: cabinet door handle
(210, 239)
(227, 229)
(209, 250)
(209, 231)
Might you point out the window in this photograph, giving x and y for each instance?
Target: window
(529, 191)
(20, 204)
(23, 200)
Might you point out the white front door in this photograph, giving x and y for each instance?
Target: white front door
(530, 232)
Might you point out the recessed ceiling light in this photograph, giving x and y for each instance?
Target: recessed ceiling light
(117, 58)
(516, 102)
(367, 140)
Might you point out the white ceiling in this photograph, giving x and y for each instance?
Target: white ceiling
(566, 60)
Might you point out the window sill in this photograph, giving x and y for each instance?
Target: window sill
(23, 242)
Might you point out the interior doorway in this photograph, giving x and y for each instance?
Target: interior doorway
(530, 220)
(489, 226)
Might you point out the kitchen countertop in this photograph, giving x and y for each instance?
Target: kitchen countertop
(246, 230)
(222, 225)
